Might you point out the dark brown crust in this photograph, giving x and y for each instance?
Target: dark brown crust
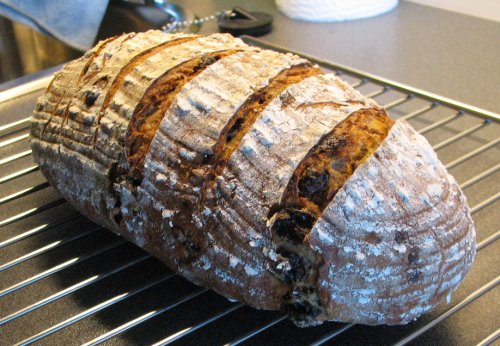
(157, 99)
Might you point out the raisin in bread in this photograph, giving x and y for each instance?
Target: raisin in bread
(257, 175)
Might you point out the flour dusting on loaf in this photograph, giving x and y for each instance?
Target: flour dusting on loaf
(257, 175)
(389, 253)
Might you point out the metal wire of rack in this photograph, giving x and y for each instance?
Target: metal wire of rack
(65, 281)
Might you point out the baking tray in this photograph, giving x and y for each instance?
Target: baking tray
(65, 280)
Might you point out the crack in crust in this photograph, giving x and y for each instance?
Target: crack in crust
(120, 77)
(143, 125)
(335, 105)
(83, 75)
(203, 172)
(246, 115)
(91, 56)
(157, 99)
(334, 159)
(316, 180)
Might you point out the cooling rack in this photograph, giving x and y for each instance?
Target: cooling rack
(65, 280)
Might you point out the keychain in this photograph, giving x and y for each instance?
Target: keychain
(237, 21)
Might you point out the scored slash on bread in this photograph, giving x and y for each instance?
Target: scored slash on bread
(255, 174)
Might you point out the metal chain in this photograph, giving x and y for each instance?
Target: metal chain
(177, 26)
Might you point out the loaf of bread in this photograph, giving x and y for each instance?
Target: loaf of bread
(257, 175)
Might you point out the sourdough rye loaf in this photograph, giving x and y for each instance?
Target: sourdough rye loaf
(257, 175)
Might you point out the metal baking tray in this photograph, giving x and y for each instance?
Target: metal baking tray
(65, 280)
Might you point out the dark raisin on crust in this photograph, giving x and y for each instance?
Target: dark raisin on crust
(144, 124)
(314, 185)
(85, 69)
(413, 273)
(114, 174)
(118, 216)
(188, 245)
(90, 98)
(303, 307)
(90, 59)
(295, 269)
(206, 156)
(234, 129)
(284, 227)
(292, 224)
(286, 99)
(400, 237)
(413, 256)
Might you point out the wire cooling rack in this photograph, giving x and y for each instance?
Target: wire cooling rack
(64, 280)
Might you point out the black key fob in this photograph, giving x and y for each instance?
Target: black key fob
(242, 22)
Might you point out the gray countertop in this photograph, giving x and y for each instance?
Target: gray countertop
(447, 53)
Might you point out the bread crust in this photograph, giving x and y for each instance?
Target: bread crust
(389, 246)
(397, 237)
(202, 109)
(72, 145)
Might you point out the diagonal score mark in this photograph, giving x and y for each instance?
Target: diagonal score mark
(125, 70)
